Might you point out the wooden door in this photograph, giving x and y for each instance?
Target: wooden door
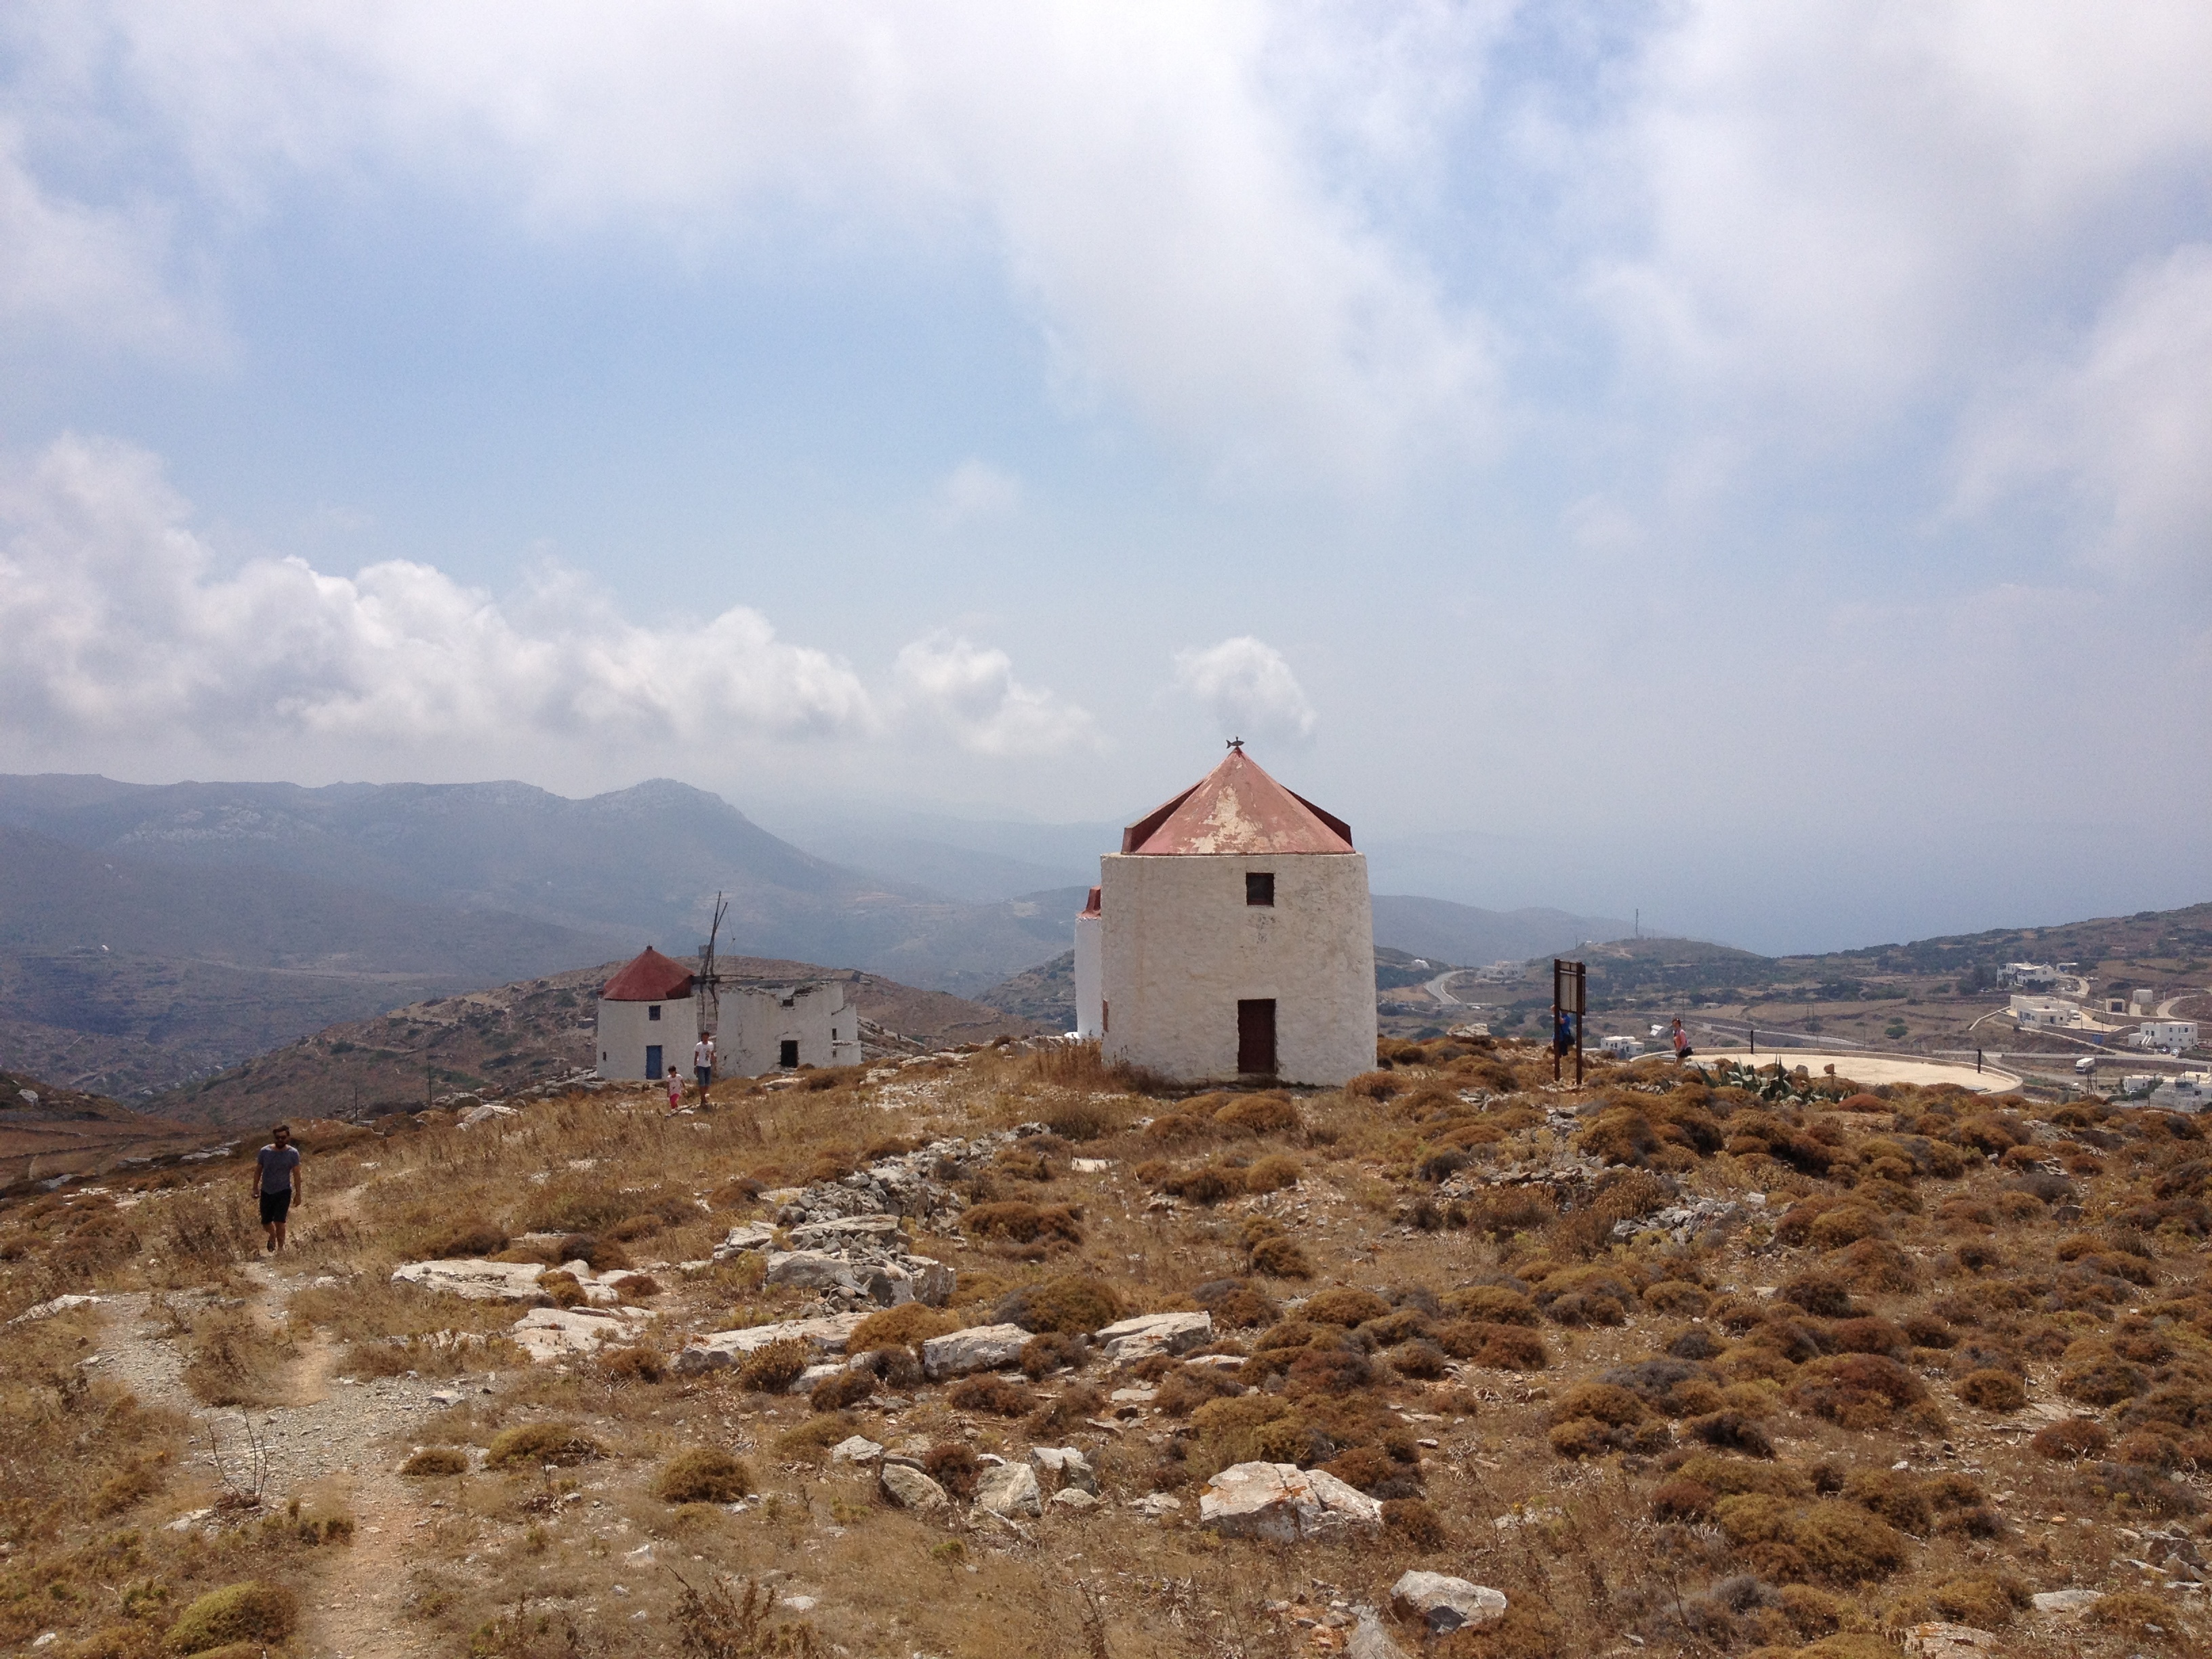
(1256, 1036)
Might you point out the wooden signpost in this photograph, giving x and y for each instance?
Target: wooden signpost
(1569, 987)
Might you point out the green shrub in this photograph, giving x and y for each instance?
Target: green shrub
(251, 1612)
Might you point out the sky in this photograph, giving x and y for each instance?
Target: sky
(1748, 464)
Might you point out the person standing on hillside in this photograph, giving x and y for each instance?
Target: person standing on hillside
(703, 1062)
(277, 1182)
(675, 1089)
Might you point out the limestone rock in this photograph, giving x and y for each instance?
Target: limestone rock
(910, 1489)
(1368, 1640)
(1948, 1642)
(1010, 1489)
(1067, 1468)
(1074, 1498)
(984, 1348)
(1153, 1334)
(477, 1281)
(484, 1114)
(889, 1282)
(58, 1304)
(753, 1236)
(1444, 1603)
(1284, 1503)
(547, 1334)
(1159, 1506)
(711, 1353)
(859, 1449)
(2068, 1603)
(847, 1230)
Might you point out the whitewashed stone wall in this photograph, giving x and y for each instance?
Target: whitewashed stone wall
(1181, 948)
(756, 1022)
(625, 1028)
(1089, 944)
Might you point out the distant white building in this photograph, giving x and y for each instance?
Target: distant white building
(2168, 1036)
(2143, 1001)
(2047, 1011)
(1090, 971)
(1238, 938)
(1622, 1047)
(2028, 975)
(651, 1015)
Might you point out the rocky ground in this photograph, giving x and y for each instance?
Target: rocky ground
(986, 1353)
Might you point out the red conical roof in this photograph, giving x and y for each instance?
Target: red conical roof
(650, 977)
(1237, 808)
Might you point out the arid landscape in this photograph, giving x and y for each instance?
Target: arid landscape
(1776, 1370)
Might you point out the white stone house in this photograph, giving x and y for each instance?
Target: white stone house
(1090, 967)
(767, 1028)
(1236, 937)
(2171, 1035)
(648, 1019)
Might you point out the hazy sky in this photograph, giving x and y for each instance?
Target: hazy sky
(1749, 461)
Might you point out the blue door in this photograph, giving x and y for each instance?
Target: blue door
(653, 1061)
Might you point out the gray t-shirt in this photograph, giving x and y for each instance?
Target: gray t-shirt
(276, 1167)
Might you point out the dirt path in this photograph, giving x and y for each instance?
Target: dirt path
(331, 1447)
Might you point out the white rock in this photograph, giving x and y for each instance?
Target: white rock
(710, 1354)
(1010, 1489)
(753, 1236)
(910, 1489)
(1068, 1468)
(484, 1114)
(1159, 1504)
(1937, 1641)
(1444, 1603)
(1074, 1498)
(547, 1334)
(1285, 1504)
(859, 1449)
(982, 1348)
(847, 1230)
(477, 1281)
(2067, 1603)
(1151, 1334)
(1368, 1640)
(58, 1304)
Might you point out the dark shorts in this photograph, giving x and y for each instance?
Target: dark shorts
(274, 1206)
(704, 1073)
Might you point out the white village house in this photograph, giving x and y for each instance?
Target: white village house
(1236, 938)
(650, 1016)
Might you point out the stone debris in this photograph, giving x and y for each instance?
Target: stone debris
(1284, 1503)
(487, 1113)
(1159, 1506)
(1010, 1489)
(1938, 1641)
(547, 1334)
(1678, 1223)
(479, 1281)
(1074, 1498)
(1444, 1603)
(857, 1449)
(863, 1272)
(909, 1488)
(1132, 1339)
(722, 1348)
(917, 1183)
(2067, 1603)
(58, 1304)
(1066, 1467)
(1368, 1640)
(980, 1348)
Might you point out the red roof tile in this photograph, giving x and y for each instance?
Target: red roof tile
(651, 977)
(1237, 808)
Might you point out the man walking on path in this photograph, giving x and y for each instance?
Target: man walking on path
(277, 1182)
(702, 1062)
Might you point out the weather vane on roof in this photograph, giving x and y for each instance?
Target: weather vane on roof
(1237, 744)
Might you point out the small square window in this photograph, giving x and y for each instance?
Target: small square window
(653, 1011)
(1258, 887)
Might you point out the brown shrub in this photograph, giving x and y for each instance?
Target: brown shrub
(2137, 1615)
(847, 1388)
(1856, 1391)
(473, 1237)
(1235, 1304)
(2095, 1375)
(1606, 1402)
(774, 1368)
(1187, 1388)
(1343, 1306)
(1421, 1360)
(1259, 1115)
(993, 1393)
(1493, 1304)
(1071, 1302)
(1837, 1542)
(1022, 1223)
(907, 1325)
(1054, 1349)
(1677, 1297)
(1868, 1335)
(953, 1467)
(1273, 1174)
(533, 1443)
(1330, 1370)
(704, 1474)
(1874, 1265)
(1992, 1391)
(1414, 1520)
(1280, 1258)
(635, 1364)
(436, 1461)
(1377, 1085)
(1056, 1418)
(1987, 1601)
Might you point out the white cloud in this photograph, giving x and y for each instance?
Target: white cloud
(972, 693)
(1249, 689)
(2123, 426)
(975, 490)
(1160, 183)
(121, 626)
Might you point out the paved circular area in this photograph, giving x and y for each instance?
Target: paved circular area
(1870, 1069)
